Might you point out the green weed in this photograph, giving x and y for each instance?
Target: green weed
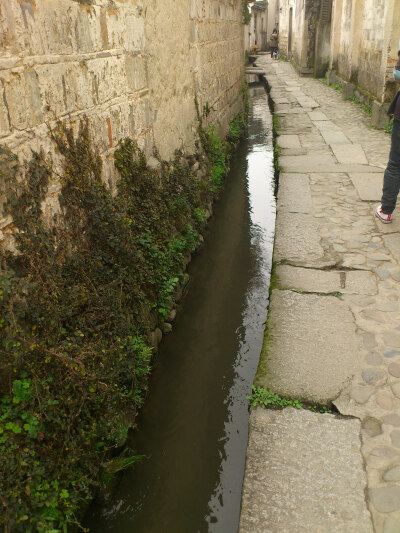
(366, 108)
(337, 87)
(265, 398)
(246, 14)
(76, 304)
(389, 127)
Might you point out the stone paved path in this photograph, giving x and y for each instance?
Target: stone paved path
(334, 322)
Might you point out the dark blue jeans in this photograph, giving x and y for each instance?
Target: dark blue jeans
(391, 181)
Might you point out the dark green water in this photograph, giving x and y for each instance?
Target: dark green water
(194, 426)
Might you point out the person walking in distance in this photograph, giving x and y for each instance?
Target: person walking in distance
(391, 180)
(273, 43)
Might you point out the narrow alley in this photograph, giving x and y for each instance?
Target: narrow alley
(333, 327)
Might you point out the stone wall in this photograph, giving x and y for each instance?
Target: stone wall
(364, 44)
(273, 17)
(298, 24)
(256, 30)
(133, 67)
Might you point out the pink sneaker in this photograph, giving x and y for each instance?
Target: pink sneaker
(382, 217)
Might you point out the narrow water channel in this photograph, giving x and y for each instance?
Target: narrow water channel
(193, 428)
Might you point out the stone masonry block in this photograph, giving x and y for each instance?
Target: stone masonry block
(331, 77)
(379, 117)
(348, 90)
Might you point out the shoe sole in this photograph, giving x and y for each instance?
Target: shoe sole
(381, 219)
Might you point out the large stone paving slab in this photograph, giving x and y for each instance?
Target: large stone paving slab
(321, 163)
(326, 281)
(304, 474)
(334, 137)
(297, 240)
(317, 115)
(305, 101)
(289, 141)
(349, 154)
(312, 350)
(294, 194)
(295, 124)
(369, 186)
(330, 132)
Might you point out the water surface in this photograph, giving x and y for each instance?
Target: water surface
(193, 428)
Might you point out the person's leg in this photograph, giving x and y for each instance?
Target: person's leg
(272, 51)
(391, 181)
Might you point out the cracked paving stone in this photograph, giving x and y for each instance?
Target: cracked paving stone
(395, 438)
(300, 479)
(371, 376)
(394, 370)
(297, 365)
(385, 499)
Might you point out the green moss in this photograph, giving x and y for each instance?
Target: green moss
(276, 123)
(273, 284)
(262, 369)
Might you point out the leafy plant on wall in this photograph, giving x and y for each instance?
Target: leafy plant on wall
(77, 302)
(246, 12)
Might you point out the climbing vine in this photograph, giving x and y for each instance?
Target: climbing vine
(246, 12)
(78, 301)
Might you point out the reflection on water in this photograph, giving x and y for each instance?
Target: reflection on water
(193, 428)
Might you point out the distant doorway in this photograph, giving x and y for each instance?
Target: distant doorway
(290, 32)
